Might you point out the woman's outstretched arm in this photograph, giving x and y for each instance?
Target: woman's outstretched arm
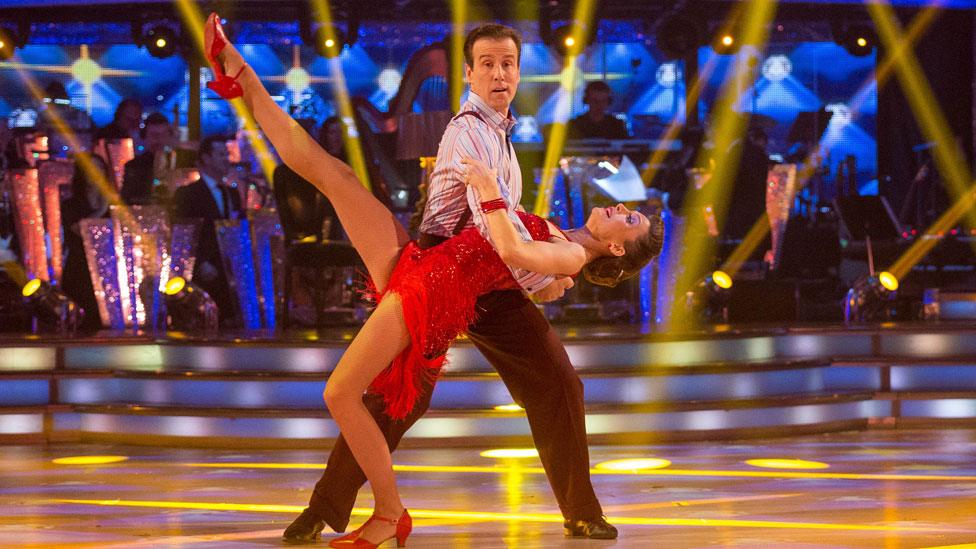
(557, 258)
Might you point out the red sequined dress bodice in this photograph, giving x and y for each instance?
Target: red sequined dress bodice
(438, 288)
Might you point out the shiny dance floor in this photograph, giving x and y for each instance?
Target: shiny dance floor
(865, 489)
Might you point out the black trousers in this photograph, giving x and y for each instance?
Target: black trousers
(524, 349)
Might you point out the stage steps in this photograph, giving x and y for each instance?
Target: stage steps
(259, 392)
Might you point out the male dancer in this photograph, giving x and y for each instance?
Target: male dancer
(510, 332)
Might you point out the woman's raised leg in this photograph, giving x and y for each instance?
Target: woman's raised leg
(373, 230)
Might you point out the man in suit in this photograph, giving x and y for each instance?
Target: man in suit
(139, 182)
(209, 199)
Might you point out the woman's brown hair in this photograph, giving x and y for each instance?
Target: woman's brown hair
(610, 271)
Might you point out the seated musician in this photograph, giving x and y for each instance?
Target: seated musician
(597, 122)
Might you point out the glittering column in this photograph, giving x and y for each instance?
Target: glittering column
(668, 266)
(30, 222)
(780, 192)
(182, 252)
(99, 239)
(268, 251)
(141, 242)
(558, 212)
(53, 175)
(234, 238)
(119, 151)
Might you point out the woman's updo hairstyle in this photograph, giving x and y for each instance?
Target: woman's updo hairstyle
(610, 271)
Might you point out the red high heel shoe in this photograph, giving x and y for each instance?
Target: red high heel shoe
(347, 538)
(226, 86)
(404, 525)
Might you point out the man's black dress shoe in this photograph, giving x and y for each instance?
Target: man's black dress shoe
(591, 529)
(305, 529)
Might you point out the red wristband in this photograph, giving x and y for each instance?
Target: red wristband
(489, 206)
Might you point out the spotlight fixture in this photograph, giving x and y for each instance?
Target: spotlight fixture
(710, 297)
(189, 307)
(871, 298)
(160, 41)
(6, 44)
(678, 36)
(565, 39)
(10, 40)
(858, 39)
(329, 41)
(726, 44)
(52, 311)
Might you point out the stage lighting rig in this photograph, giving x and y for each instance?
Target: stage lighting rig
(189, 307)
(161, 41)
(7, 46)
(871, 298)
(857, 38)
(52, 311)
(563, 39)
(726, 43)
(329, 41)
(11, 38)
(710, 297)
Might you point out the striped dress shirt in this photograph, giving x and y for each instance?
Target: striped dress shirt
(448, 196)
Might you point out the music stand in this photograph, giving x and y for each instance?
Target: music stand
(866, 218)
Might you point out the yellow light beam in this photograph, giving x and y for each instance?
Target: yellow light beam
(644, 472)
(921, 247)
(61, 69)
(357, 161)
(459, 17)
(920, 24)
(674, 127)
(505, 517)
(753, 238)
(728, 126)
(193, 21)
(92, 172)
(582, 23)
(946, 154)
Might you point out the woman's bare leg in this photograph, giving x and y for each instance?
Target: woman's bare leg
(378, 237)
(376, 345)
(372, 229)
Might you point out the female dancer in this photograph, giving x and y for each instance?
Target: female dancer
(425, 297)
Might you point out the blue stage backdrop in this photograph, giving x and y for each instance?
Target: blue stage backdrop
(807, 76)
(648, 90)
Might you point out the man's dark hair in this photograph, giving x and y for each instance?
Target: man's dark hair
(324, 128)
(156, 118)
(491, 31)
(596, 86)
(207, 144)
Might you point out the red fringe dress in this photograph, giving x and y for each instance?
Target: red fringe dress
(438, 288)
